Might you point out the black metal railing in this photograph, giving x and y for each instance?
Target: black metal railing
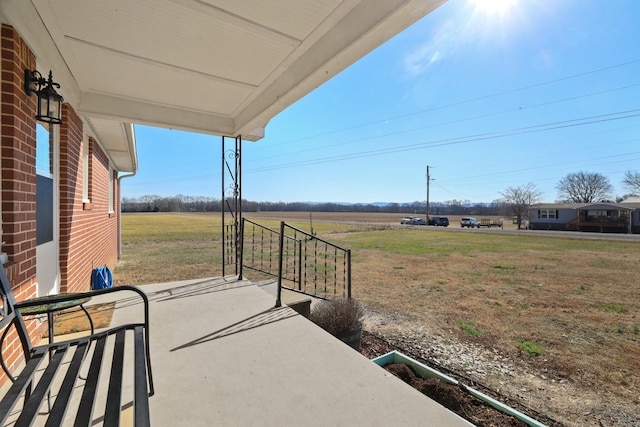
(261, 249)
(300, 261)
(229, 247)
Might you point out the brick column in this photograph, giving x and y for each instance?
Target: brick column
(18, 178)
(18, 153)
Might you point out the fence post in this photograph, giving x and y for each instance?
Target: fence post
(280, 258)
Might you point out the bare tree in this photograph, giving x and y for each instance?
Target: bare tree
(632, 181)
(584, 187)
(518, 199)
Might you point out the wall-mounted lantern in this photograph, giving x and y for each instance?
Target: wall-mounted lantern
(49, 101)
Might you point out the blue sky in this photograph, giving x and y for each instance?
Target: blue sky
(486, 98)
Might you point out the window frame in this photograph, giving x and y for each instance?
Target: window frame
(548, 214)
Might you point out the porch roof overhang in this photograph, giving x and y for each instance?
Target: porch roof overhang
(607, 206)
(208, 66)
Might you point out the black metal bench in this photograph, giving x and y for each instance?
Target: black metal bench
(61, 380)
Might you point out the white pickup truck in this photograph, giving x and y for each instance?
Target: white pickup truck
(469, 222)
(472, 222)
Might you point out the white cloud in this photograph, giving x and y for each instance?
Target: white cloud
(430, 52)
(418, 61)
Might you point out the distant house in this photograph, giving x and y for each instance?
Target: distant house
(623, 217)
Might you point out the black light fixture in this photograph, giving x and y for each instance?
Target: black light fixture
(49, 101)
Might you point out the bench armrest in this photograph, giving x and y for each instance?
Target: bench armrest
(77, 295)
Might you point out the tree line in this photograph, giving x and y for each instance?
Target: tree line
(182, 203)
(576, 187)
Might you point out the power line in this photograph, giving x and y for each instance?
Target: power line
(467, 101)
(449, 141)
(534, 168)
(461, 140)
(456, 121)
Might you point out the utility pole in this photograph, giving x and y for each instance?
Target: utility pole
(428, 179)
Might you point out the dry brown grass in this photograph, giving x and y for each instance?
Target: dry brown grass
(75, 320)
(584, 316)
(366, 217)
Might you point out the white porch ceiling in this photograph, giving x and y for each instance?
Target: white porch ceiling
(221, 67)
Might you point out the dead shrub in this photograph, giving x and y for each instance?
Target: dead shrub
(338, 316)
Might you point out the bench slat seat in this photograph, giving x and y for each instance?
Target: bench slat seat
(52, 383)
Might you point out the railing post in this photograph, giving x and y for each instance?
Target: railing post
(241, 251)
(348, 273)
(280, 258)
(299, 265)
(224, 229)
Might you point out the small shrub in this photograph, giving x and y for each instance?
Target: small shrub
(338, 316)
(468, 327)
(530, 348)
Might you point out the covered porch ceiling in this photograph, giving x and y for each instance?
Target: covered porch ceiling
(220, 67)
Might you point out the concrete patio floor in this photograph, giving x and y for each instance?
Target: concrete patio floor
(223, 355)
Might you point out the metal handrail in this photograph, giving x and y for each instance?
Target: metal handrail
(314, 266)
(321, 249)
(258, 251)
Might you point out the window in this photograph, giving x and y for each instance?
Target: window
(602, 213)
(44, 151)
(548, 213)
(44, 185)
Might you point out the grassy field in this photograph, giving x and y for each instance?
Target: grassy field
(564, 310)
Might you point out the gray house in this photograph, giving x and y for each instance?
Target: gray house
(623, 217)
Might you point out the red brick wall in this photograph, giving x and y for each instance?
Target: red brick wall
(18, 154)
(18, 176)
(87, 231)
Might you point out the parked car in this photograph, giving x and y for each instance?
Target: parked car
(418, 221)
(439, 221)
(406, 220)
(469, 222)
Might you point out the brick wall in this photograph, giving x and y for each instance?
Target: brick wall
(18, 177)
(87, 231)
(18, 153)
